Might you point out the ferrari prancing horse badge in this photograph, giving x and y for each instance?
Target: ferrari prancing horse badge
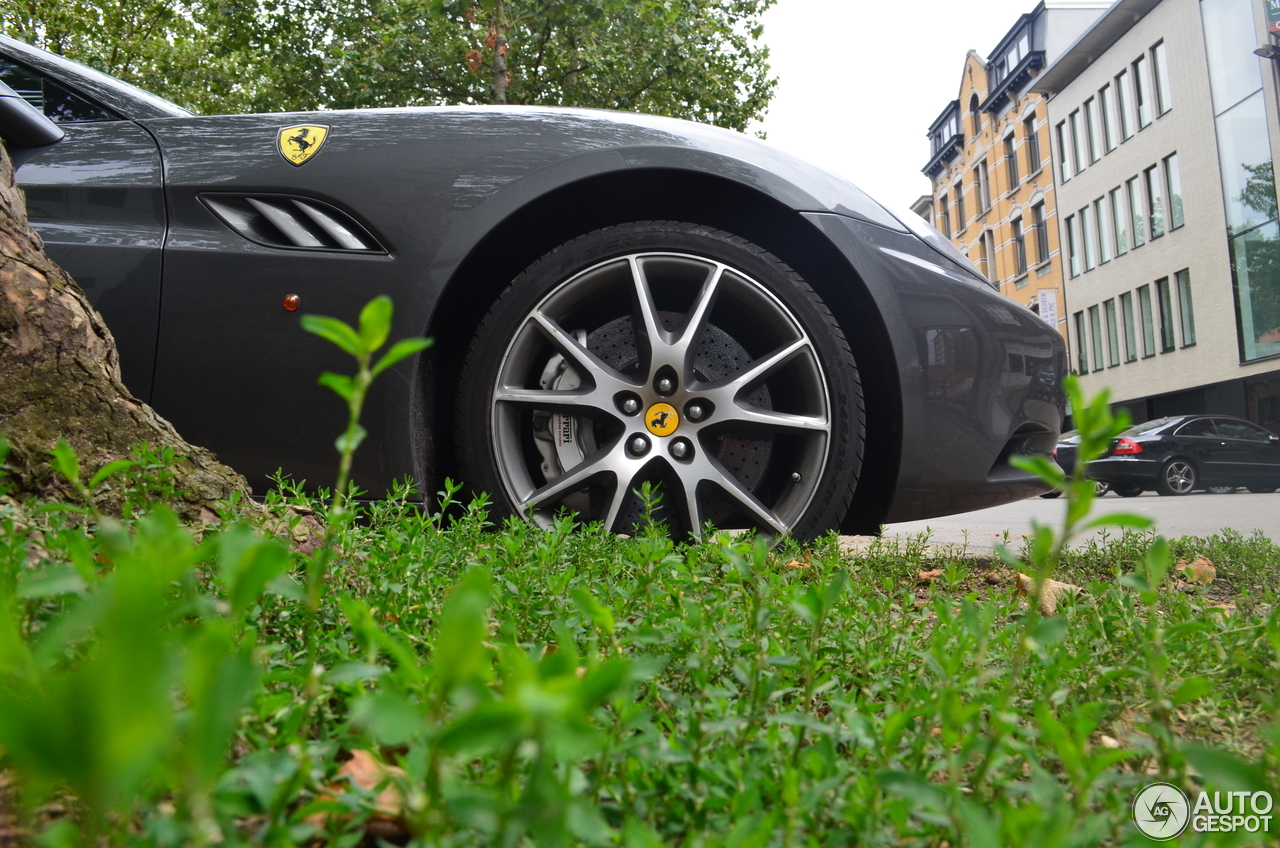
(298, 144)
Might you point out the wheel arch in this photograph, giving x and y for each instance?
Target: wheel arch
(601, 200)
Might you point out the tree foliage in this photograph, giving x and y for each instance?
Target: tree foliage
(697, 59)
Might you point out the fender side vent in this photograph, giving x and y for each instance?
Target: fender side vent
(292, 223)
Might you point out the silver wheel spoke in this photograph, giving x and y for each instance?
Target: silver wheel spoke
(574, 478)
(649, 332)
(758, 370)
(604, 377)
(620, 493)
(706, 468)
(773, 420)
(551, 400)
(693, 513)
(687, 344)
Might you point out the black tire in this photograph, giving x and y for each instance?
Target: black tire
(1261, 490)
(751, 417)
(1177, 477)
(1100, 488)
(1127, 490)
(1052, 493)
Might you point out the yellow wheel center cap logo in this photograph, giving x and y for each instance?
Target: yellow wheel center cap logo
(662, 419)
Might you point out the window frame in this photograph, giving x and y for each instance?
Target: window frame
(1137, 213)
(1124, 106)
(1073, 247)
(1042, 233)
(1141, 96)
(1186, 309)
(1155, 202)
(1160, 78)
(1119, 222)
(1082, 344)
(1129, 327)
(1176, 215)
(1102, 222)
(1147, 317)
(1019, 246)
(1113, 334)
(1011, 160)
(1105, 96)
(1031, 140)
(1095, 333)
(1164, 307)
(1091, 129)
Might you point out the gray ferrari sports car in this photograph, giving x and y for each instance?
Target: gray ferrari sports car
(615, 299)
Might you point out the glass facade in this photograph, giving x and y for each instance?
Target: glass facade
(1248, 177)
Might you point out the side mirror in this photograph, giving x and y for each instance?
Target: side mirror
(21, 124)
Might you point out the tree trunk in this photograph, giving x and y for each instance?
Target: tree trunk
(60, 379)
(500, 55)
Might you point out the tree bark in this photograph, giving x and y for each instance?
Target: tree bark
(60, 379)
(500, 55)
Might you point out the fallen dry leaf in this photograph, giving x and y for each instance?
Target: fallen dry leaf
(930, 576)
(367, 773)
(1108, 741)
(1201, 571)
(1050, 592)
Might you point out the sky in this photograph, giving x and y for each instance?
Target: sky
(859, 81)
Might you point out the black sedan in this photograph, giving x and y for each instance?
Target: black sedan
(1065, 455)
(615, 299)
(1179, 455)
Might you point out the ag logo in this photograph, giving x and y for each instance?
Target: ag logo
(298, 144)
(1161, 811)
(661, 419)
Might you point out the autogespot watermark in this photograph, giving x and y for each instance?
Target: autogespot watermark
(1163, 811)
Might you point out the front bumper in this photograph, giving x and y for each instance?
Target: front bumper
(979, 375)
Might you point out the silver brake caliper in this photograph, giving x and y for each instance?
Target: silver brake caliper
(563, 440)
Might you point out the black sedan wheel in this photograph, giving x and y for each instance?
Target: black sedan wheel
(1262, 490)
(669, 354)
(1127, 490)
(1178, 477)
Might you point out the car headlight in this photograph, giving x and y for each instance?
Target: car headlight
(928, 234)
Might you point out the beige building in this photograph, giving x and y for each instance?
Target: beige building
(993, 189)
(1163, 123)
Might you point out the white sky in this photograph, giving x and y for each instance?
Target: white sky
(859, 81)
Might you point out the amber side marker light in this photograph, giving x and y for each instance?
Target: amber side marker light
(291, 302)
(1126, 446)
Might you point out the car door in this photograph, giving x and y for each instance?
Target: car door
(96, 198)
(1199, 440)
(1254, 453)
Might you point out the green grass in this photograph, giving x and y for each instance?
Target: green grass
(570, 687)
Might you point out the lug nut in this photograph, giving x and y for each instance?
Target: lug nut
(795, 477)
(695, 412)
(681, 449)
(631, 406)
(638, 446)
(666, 385)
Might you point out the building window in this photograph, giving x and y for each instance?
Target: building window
(1095, 332)
(1102, 219)
(1113, 336)
(1173, 183)
(1019, 246)
(984, 186)
(1130, 338)
(1148, 322)
(1120, 218)
(1108, 117)
(1186, 313)
(1011, 160)
(1124, 109)
(990, 238)
(1073, 247)
(1155, 201)
(944, 216)
(1077, 160)
(1065, 170)
(1032, 142)
(1141, 99)
(1160, 74)
(1082, 345)
(962, 220)
(1164, 301)
(1042, 232)
(1137, 215)
(1089, 239)
(975, 115)
(984, 256)
(1093, 133)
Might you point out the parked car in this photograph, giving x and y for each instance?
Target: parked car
(1065, 455)
(615, 299)
(1179, 455)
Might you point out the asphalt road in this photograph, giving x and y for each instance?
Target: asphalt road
(1197, 514)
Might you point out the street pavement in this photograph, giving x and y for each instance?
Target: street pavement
(1197, 514)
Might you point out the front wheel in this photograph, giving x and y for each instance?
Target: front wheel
(1178, 477)
(670, 354)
